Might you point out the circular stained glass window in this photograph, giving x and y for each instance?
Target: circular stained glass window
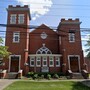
(43, 35)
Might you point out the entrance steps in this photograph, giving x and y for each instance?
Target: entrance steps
(77, 76)
(12, 75)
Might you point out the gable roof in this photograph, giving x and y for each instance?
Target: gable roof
(43, 27)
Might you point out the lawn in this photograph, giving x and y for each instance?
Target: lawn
(48, 85)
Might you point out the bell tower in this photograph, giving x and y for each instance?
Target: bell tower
(17, 36)
(70, 45)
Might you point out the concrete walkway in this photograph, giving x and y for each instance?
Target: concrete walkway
(5, 82)
(86, 82)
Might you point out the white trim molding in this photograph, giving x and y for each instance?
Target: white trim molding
(41, 55)
(51, 61)
(32, 60)
(16, 37)
(57, 61)
(44, 61)
(13, 19)
(38, 61)
(21, 19)
(78, 61)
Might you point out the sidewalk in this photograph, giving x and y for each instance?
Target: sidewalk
(5, 82)
(86, 82)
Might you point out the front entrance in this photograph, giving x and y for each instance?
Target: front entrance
(14, 63)
(14, 66)
(74, 63)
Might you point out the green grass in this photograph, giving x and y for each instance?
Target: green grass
(52, 85)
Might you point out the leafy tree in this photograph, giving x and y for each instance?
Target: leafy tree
(88, 49)
(3, 49)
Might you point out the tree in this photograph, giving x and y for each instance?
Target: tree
(3, 49)
(88, 49)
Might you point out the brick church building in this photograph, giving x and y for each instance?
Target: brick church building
(43, 49)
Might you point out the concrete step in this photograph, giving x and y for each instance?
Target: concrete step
(12, 75)
(77, 76)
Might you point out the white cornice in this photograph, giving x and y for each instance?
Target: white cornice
(59, 55)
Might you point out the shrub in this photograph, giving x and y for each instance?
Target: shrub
(30, 74)
(42, 76)
(49, 76)
(56, 76)
(42, 73)
(35, 76)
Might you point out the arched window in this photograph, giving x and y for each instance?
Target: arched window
(43, 50)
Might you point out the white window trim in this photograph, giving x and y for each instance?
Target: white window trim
(37, 61)
(57, 60)
(31, 61)
(52, 61)
(19, 22)
(10, 61)
(11, 21)
(78, 61)
(15, 36)
(43, 62)
(70, 37)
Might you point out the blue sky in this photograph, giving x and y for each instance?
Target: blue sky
(50, 12)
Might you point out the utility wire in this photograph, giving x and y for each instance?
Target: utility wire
(38, 27)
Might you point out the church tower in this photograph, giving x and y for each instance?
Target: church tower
(17, 37)
(70, 45)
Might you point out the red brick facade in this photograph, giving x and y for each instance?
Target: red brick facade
(43, 49)
(87, 60)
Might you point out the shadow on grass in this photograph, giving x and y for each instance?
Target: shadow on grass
(79, 86)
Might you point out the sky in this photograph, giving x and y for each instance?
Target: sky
(50, 13)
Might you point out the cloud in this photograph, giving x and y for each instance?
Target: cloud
(37, 7)
(85, 38)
